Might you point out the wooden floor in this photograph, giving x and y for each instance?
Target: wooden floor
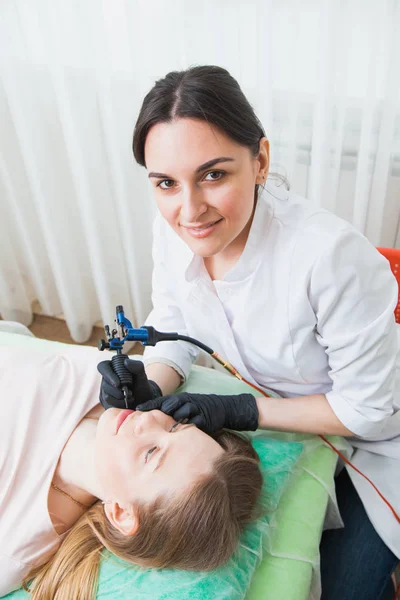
(51, 328)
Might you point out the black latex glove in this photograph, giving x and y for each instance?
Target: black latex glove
(111, 394)
(209, 412)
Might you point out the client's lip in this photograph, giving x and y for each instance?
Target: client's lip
(124, 414)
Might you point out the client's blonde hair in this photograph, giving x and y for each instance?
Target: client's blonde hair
(197, 530)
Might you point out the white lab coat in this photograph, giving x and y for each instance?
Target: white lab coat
(308, 308)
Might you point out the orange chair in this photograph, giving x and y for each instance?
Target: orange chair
(393, 256)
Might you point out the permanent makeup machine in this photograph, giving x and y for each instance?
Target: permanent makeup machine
(148, 336)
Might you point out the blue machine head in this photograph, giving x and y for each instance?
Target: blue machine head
(123, 333)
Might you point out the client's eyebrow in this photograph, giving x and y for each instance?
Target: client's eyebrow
(203, 167)
(164, 454)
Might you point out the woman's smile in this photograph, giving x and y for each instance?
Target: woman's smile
(202, 232)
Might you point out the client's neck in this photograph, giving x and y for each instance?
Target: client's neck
(76, 471)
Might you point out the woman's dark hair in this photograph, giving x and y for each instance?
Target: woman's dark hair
(206, 92)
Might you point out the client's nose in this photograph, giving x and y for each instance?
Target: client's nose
(147, 420)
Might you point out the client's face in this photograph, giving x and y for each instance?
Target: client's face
(150, 455)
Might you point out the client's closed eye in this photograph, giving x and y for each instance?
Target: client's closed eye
(152, 450)
(185, 425)
(149, 453)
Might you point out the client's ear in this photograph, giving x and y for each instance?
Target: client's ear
(123, 519)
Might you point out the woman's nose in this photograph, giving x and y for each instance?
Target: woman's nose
(193, 206)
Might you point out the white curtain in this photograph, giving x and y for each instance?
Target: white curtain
(76, 211)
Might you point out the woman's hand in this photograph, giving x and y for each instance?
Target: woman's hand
(111, 394)
(209, 412)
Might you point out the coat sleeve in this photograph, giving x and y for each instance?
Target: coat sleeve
(353, 293)
(166, 314)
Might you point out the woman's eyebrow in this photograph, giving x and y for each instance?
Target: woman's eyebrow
(199, 169)
(164, 454)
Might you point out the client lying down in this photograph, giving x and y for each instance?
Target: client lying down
(74, 480)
